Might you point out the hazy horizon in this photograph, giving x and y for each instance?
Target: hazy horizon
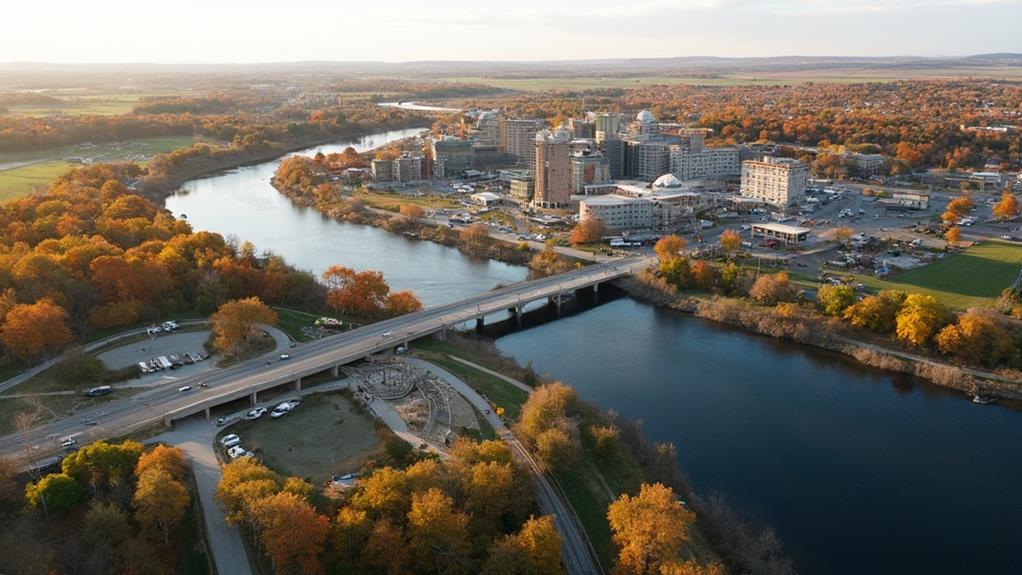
(261, 31)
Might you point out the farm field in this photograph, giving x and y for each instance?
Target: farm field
(23, 173)
(79, 104)
(972, 277)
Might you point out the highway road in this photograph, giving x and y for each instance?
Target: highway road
(118, 417)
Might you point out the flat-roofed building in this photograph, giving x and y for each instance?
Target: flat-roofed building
(522, 190)
(869, 164)
(408, 168)
(704, 163)
(617, 212)
(783, 232)
(519, 139)
(588, 169)
(648, 159)
(383, 171)
(451, 156)
(777, 181)
(553, 169)
(488, 130)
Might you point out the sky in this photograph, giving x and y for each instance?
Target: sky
(244, 31)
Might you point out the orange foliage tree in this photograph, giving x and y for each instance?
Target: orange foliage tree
(292, 533)
(588, 231)
(31, 330)
(235, 323)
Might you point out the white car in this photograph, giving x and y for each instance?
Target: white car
(280, 411)
(256, 413)
(385, 334)
(236, 452)
(69, 444)
(184, 388)
(230, 440)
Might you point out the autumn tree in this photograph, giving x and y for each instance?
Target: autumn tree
(704, 275)
(544, 423)
(242, 482)
(588, 231)
(437, 533)
(953, 236)
(475, 236)
(835, 299)
(384, 493)
(412, 212)
(101, 464)
(919, 319)
(730, 242)
(957, 209)
(535, 549)
(690, 567)
(771, 288)
(237, 322)
(978, 337)
(32, 330)
(105, 524)
(291, 532)
(165, 457)
(402, 302)
(877, 313)
(1007, 208)
(842, 234)
(669, 247)
(676, 271)
(648, 528)
(386, 549)
(160, 501)
(360, 293)
(54, 492)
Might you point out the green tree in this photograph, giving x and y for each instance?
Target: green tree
(834, 299)
(56, 492)
(102, 464)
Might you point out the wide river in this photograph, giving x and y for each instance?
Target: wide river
(859, 470)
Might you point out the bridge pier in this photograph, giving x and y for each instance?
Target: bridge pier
(479, 323)
(335, 370)
(209, 414)
(253, 398)
(517, 312)
(298, 384)
(168, 422)
(556, 302)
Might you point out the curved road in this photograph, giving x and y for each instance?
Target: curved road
(151, 406)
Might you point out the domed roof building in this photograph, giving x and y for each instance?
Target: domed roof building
(646, 117)
(667, 182)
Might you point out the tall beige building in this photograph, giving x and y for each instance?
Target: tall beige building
(553, 169)
(777, 181)
(519, 138)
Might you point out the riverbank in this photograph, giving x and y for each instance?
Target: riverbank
(187, 164)
(825, 333)
(614, 457)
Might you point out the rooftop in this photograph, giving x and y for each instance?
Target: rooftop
(781, 228)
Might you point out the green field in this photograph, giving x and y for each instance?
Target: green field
(108, 104)
(23, 173)
(972, 277)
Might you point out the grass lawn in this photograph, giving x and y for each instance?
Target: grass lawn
(497, 391)
(98, 104)
(972, 277)
(41, 167)
(327, 434)
(292, 321)
(393, 201)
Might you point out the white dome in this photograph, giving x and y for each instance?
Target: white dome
(646, 117)
(667, 181)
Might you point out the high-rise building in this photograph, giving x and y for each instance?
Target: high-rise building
(408, 168)
(383, 171)
(581, 128)
(451, 156)
(644, 126)
(691, 161)
(607, 124)
(647, 159)
(488, 130)
(522, 189)
(614, 151)
(776, 181)
(588, 168)
(553, 169)
(519, 139)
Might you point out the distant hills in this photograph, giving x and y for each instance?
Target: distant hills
(686, 65)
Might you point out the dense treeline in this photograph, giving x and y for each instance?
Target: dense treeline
(89, 254)
(208, 104)
(110, 508)
(473, 512)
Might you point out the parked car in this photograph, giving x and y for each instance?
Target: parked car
(237, 451)
(256, 413)
(280, 411)
(98, 391)
(224, 420)
(230, 440)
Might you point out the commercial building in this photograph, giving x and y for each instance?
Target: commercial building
(519, 139)
(618, 212)
(647, 159)
(588, 168)
(606, 125)
(704, 163)
(785, 233)
(451, 156)
(408, 168)
(522, 189)
(776, 181)
(383, 171)
(581, 128)
(553, 169)
(614, 151)
(906, 200)
(869, 164)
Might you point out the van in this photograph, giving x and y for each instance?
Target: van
(98, 391)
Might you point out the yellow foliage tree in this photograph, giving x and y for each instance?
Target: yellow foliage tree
(236, 323)
(648, 529)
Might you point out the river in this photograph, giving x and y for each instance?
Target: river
(242, 203)
(860, 471)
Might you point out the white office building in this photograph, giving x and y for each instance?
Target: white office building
(776, 181)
